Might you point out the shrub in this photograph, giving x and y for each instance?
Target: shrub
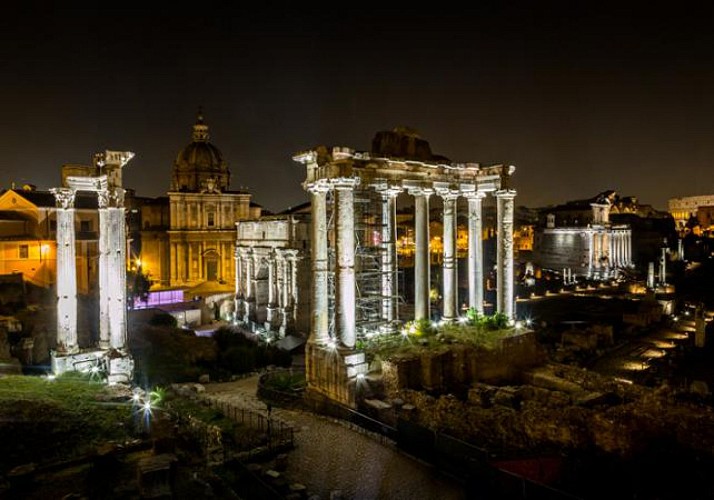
(163, 319)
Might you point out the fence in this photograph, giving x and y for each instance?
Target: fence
(278, 432)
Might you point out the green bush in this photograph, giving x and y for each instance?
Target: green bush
(163, 319)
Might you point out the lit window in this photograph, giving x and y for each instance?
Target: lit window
(24, 251)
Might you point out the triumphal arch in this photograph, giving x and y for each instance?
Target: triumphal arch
(353, 199)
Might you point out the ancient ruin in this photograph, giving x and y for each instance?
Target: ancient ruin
(353, 198)
(111, 356)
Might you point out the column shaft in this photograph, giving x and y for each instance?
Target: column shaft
(345, 252)
(66, 272)
(475, 255)
(449, 277)
(117, 277)
(104, 337)
(504, 258)
(388, 255)
(319, 316)
(421, 255)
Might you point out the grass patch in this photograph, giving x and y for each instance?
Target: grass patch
(285, 381)
(416, 339)
(45, 420)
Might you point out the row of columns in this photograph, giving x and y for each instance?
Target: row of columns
(621, 248)
(281, 309)
(112, 270)
(609, 249)
(345, 296)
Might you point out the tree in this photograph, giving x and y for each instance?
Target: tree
(137, 285)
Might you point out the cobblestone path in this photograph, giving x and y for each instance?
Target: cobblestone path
(330, 458)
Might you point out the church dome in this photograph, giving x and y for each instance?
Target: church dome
(200, 165)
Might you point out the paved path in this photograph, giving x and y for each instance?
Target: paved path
(330, 457)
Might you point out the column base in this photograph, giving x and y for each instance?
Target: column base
(115, 366)
(333, 372)
(272, 320)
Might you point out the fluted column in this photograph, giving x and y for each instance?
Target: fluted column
(249, 289)
(421, 253)
(66, 272)
(104, 251)
(319, 325)
(475, 254)
(284, 292)
(591, 251)
(238, 299)
(272, 308)
(116, 271)
(389, 258)
(504, 257)
(449, 278)
(294, 296)
(345, 254)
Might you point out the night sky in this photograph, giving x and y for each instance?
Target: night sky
(579, 98)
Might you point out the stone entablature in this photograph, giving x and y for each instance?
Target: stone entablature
(340, 162)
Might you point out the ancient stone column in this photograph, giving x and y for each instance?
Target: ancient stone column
(272, 308)
(345, 255)
(389, 258)
(66, 272)
(238, 299)
(116, 269)
(319, 325)
(104, 255)
(421, 253)
(475, 255)
(504, 256)
(591, 251)
(449, 278)
(294, 296)
(283, 291)
(249, 287)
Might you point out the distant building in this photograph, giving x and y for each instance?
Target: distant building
(684, 208)
(579, 236)
(28, 242)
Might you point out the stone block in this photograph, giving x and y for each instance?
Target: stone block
(355, 358)
(354, 370)
(273, 474)
(377, 404)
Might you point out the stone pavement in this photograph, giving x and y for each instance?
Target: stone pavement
(334, 461)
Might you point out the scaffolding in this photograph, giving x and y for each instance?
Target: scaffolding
(370, 273)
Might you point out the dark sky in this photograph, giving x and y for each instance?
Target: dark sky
(579, 98)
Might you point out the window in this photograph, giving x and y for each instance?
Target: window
(24, 251)
(85, 226)
(211, 219)
(53, 225)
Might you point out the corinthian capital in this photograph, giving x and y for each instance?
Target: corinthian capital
(64, 197)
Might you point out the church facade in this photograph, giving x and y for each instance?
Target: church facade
(188, 237)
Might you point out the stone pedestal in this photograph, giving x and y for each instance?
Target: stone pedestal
(333, 372)
(116, 366)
